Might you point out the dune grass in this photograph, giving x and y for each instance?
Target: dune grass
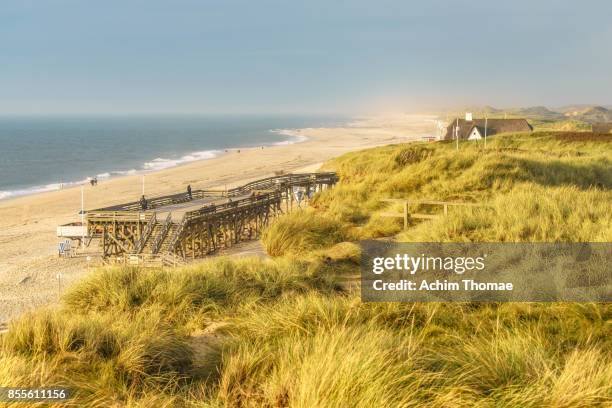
(122, 334)
(514, 176)
(285, 332)
(316, 232)
(339, 351)
(103, 358)
(528, 212)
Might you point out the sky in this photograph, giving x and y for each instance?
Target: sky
(311, 56)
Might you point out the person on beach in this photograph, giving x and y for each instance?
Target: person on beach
(189, 192)
(143, 203)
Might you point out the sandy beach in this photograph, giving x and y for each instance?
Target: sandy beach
(29, 265)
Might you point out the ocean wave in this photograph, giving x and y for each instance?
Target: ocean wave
(40, 189)
(161, 163)
(295, 136)
(124, 172)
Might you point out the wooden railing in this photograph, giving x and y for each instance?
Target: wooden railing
(145, 234)
(176, 235)
(148, 260)
(162, 234)
(406, 215)
(269, 183)
(118, 216)
(172, 259)
(285, 181)
(218, 209)
(172, 199)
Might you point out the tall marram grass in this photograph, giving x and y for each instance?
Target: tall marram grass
(284, 332)
(341, 352)
(121, 335)
(209, 288)
(315, 232)
(362, 366)
(101, 358)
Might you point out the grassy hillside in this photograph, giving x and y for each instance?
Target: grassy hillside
(286, 332)
(537, 187)
(567, 125)
(591, 114)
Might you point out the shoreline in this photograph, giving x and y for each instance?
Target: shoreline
(29, 264)
(183, 160)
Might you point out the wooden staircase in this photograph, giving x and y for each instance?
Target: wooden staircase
(148, 246)
(165, 245)
(159, 239)
(158, 248)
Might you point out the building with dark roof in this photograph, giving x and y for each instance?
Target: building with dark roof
(475, 129)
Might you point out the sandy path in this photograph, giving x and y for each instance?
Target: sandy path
(28, 245)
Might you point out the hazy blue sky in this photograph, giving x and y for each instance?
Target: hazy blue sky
(307, 56)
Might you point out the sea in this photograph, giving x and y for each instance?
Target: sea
(46, 153)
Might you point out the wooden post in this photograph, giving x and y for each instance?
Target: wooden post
(445, 209)
(104, 240)
(193, 250)
(405, 215)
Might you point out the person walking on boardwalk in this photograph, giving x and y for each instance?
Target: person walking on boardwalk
(143, 203)
(189, 192)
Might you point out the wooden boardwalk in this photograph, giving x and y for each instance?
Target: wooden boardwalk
(177, 227)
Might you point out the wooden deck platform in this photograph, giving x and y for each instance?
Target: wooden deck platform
(177, 227)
